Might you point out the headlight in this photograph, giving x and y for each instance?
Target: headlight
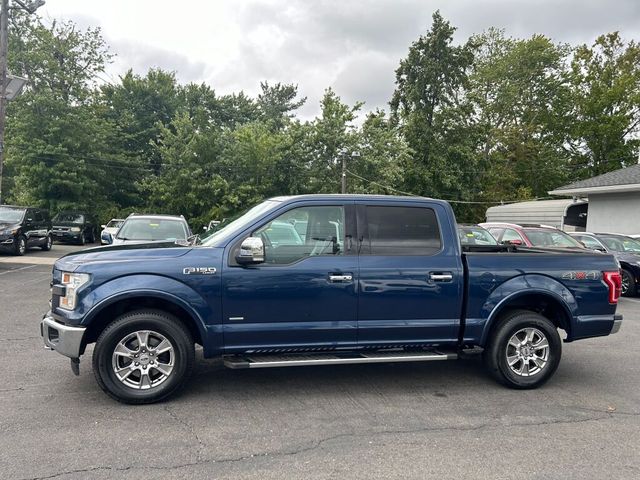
(9, 231)
(75, 229)
(72, 282)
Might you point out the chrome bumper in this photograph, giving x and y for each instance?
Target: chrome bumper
(63, 339)
(617, 323)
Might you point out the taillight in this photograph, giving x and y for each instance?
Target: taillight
(614, 282)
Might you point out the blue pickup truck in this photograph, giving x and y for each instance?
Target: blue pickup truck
(323, 280)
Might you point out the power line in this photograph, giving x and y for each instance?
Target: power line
(472, 202)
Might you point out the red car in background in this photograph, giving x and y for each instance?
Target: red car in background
(530, 235)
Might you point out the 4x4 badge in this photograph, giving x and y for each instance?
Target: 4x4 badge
(199, 270)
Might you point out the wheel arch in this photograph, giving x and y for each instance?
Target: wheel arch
(107, 311)
(543, 302)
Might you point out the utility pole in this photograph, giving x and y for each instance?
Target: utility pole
(4, 38)
(30, 8)
(343, 155)
(344, 172)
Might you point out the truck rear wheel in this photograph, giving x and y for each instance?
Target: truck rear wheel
(143, 357)
(524, 350)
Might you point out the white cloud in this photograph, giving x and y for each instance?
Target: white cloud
(353, 46)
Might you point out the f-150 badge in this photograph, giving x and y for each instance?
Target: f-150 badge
(199, 270)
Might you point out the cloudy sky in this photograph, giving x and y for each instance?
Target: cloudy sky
(351, 45)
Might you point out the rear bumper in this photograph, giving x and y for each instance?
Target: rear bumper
(617, 323)
(63, 339)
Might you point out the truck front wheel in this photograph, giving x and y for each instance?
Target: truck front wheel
(143, 357)
(524, 350)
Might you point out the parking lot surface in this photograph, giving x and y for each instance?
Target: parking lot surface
(433, 420)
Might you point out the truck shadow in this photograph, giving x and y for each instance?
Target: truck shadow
(211, 377)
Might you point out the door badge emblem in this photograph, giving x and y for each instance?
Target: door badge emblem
(199, 270)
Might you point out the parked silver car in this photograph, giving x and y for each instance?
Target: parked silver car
(110, 229)
(152, 228)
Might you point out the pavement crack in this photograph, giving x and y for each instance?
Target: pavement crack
(20, 339)
(319, 443)
(190, 429)
(79, 470)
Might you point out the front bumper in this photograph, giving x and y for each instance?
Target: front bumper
(617, 323)
(6, 241)
(66, 236)
(63, 339)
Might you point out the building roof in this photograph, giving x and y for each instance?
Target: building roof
(622, 180)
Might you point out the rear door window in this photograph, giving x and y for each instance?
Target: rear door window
(511, 234)
(589, 242)
(401, 231)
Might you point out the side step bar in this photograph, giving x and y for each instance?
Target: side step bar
(301, 360)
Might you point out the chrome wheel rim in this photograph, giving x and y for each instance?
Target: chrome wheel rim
(626, 281)
(527, 352)
(22, 246)
(49, 242)
(143, 359)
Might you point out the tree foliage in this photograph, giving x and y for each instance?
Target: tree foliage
(479, 121)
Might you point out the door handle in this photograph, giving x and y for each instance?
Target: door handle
(340, 277)
(440, 276)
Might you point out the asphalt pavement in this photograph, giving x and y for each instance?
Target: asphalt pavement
(440, 420)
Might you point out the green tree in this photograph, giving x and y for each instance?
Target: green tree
(605, 120)
(278, 102)
(382, 153)
(515, 111)
(59, 150)
(188, 182)
(329, 136)
(429, 80)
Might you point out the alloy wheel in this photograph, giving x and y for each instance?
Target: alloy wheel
(143, 359)
(527, 352)
(626, 283)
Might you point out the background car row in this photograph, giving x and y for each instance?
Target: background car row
(626, 249)
(22, 228)
(138, 228)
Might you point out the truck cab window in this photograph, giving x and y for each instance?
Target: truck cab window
(303, 232)
(402, 231)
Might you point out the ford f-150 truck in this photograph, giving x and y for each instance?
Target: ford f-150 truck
(323, 280)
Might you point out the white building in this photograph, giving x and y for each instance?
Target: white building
(614, 200)
(566, 214)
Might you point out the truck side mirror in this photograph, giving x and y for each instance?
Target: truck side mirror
(251, 251)
(103, 226)
(107, 237)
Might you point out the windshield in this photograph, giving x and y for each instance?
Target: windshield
(621, 244)
(115, 223)
(551, 238)
(475, 236)
(152, 229)
(229, 227)
(69, 218)
(11, 215)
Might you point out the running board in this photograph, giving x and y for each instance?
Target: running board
(301, 360)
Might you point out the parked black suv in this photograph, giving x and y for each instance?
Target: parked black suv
(75, 227)
(22, 228)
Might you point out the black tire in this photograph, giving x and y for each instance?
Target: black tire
(83, 239)
(159, 323)
(498, 349)
(48, 243)
(630, 290)
(20, 246)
